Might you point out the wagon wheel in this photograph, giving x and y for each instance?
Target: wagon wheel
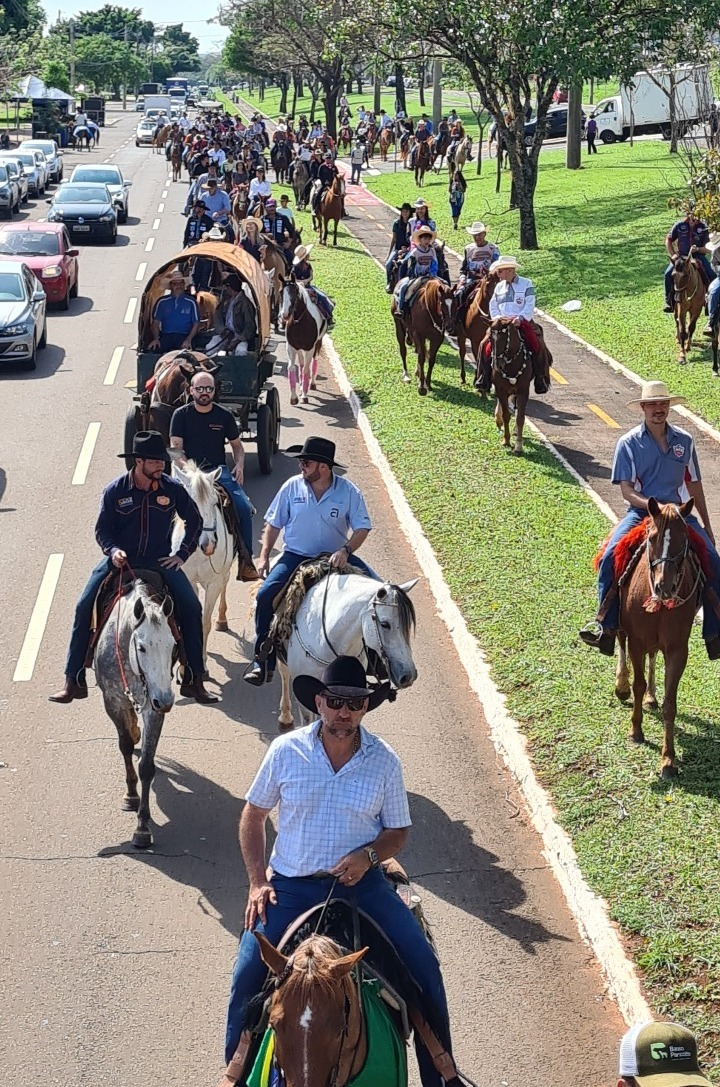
(273, 400)
(265, 438)
(131, 429)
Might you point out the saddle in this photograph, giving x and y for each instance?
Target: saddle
(122, 581)
(411, 292)
(287, 602)
(246, 568)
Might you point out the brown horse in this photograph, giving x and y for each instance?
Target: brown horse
(168, 389)
(239, 206)
(345, 138)
(371, 137)
(661, 621)
(176, 159)
(301, 176)
(689, 299)
(329, 209)
(512, 372)
(385, 140)
(474, 322)
(422, 161)
(440, 150)
(272, 260)
(160, 139)
(423, 326)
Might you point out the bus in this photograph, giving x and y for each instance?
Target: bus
(203, 89)
(177, 81)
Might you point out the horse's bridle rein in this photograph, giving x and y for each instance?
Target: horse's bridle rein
(681, 287)
(673, 601)
(500, 359)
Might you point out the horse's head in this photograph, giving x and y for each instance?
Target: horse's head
(667, 547)
(439, 299)
(683, 272)
(151, 648)
(201, 488)
(388, 625)
(314, 1011)
(290, 297)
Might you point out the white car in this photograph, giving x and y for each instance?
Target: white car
(23, 308)
(52, 153)
(116, 183)
(144, 132)
(35, 167)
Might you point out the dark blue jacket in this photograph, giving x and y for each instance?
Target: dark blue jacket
(140, 523)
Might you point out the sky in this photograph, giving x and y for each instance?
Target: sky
(186, 12)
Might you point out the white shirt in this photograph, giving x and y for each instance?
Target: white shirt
(357, 156)
(259, 188)
(313, 526)
(324, 815)
(184, 124)
(216, 154)
(516, 299)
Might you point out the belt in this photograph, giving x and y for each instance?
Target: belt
(312, 875)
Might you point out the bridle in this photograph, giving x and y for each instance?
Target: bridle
(501, 359)
(681, 285)
(654, 602)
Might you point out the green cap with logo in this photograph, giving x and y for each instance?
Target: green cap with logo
(661, 1055)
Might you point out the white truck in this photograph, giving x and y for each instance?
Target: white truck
(156, 103)
(644, 106)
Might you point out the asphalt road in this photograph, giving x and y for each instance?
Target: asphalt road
(115, 963)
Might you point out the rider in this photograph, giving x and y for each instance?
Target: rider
(443, 131)
(477, 258)
(653, 460)
(420, 262)
(326, 174)
(713, 298)
(198, 223)
(240, 318)
(198, 431)
(514, 297)
(457, 133)
(421, 216)
(259, 188)
(134, 529)
(316, 510)
(175, 319)
(286, 212)
(688, 235)
(303, 273)
(399, 242)
(251, 241)
(423, 134)
(218, 206)
(277, 227)
(659, 1055)
(342, 810)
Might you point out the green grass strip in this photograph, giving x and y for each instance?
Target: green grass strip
(515, 537)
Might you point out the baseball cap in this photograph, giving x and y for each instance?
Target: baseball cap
(661, 1055)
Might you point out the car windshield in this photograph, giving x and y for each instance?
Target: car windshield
(33, 243)
(46, 148)
(3, 174)
(11, 287)
(27, 160)
(108, 177)
(74, 194)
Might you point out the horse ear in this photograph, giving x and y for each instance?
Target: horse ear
(273, 959)
(189, 368)
(687, 508)
(341, 967)
(213, 368)
(167, 606)
(139, 610)
(407, 586)
(215, 476)
(653, 507)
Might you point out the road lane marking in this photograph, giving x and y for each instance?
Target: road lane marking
(38, 620)
(369, 215)
(131, 384)
(608, 419)
(558, 378)
(164, 194)
(156, 224)
(114, 366)
(140, 274)
(149, 245)
(130, 311)
(88, 448)
(161, 209)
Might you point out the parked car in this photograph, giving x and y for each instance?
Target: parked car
(140, 105)
(87, 210)
(35, 167)
(47, 250)
(23, 314)
(9, 194)
(112, 177)
(52, 153)
(557, 117)
(144, 132)
(17, 173)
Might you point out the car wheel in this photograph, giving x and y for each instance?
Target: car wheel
(113, 238)
(75, 289)
(607, 136)
(43, 339)
(64, 303)
(31, 363)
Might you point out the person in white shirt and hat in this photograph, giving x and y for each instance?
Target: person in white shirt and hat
(303, 273)
(514, 300)
(477, 258)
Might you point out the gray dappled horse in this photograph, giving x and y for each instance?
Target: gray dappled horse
(133, 665)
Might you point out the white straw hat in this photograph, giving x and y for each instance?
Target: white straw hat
(654, 392)
(504, 262)
(301, 253)
(476, 228)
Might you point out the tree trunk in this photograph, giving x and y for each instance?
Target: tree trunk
(262, 90)
(672, 106)
(284, 83)
(421, 83)
(300, 86)
(377, 89)
(400, 88)
(360, 83)
(348, 87)
(437, 93)
(498, 166)
(524, 174)
(481, 139)
(573, 155)
(592, 91)
(330, 102)
(293, 107)
(314, 92)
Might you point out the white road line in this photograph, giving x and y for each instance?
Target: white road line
(130, 311)
(164, 194)
(149, 245)
(140, 274)
(83, 461)
(114, 366)
(156, 224)
(38, 620)
(161, 209)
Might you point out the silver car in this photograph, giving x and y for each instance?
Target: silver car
(144, 132)
(17, 171)
(111, 176)
(52, 153)
(23, 308)
(35, 167)
(9, 193)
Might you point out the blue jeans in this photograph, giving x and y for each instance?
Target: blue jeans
(669, 289)
(606, 573)
(242, 504)
(276, 580)
(187, 612)
(713, 298)
(376, 897)
(202, 270)
(389, 264)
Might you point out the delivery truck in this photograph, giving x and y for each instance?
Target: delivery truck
(157, 102)
(643, 106)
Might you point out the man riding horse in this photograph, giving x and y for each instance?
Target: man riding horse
(326, 173)
(689, 236)
(477, 258)
(514, 299)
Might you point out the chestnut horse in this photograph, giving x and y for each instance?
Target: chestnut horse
(512, 372)
(422, 161)
(661, 621)
(423, 326)
(168, 388)
(329, 208)
(474, 322)
(345, 138)
(176, 159)
(384, 142)
(688, 303)
(304, 329)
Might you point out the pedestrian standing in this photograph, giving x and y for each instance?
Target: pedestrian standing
(457, 189)
(591, 133)
(357, 157)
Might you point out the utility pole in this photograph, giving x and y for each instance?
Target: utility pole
(126, 37)
(437, 92)
(71, 28)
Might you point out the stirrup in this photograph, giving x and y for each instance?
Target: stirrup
(592, 632)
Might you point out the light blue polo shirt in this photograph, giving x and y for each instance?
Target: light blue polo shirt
(639, 460)
(176, 314)
(312, 526)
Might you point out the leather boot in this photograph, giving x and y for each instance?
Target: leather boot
(70, 692)
(247, 572)
(483, 381)
(196, 689)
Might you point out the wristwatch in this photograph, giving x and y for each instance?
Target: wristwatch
(372, 857)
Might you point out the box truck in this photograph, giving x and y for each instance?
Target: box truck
(644, 106)
(156, 102)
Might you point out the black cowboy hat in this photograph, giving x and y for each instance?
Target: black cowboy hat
(346, 678)
(321, 449)
(148, 445)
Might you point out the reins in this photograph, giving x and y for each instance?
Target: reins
(137, 706)
(498, 358)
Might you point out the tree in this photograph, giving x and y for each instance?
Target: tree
(114, 21)
(102, 62)
(56, 74)
(15, 16)
(181, 49)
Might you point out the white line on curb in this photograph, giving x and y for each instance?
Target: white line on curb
(114, 366)
(88, 448)
(130, 311)
(38, 620)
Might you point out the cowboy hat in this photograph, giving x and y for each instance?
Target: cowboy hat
(476, 228)
(148, 445)
(422, 232)
(504, 262)
(301, 253)
(215, 234)
(654, 392)
(345, 678)
(421, 202)
(320, 449)
(252, 221)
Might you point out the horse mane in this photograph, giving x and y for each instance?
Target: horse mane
(433, 294)
(201, 481)
(151, 605)
(310, 967)
(406, 610)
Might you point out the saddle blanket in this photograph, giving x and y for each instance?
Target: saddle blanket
(628, 546)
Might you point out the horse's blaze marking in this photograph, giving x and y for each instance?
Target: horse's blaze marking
(558, 377)
(38, 620)
(607, 419)
(306, 1018)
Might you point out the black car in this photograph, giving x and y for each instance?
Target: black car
(557, 117)
(87, 210)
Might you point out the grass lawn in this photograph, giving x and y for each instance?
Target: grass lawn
(522, 575)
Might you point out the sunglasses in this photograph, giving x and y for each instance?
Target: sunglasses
(304, 461)
(335, 702)
(204, 388)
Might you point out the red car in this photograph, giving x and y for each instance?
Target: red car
(47, 250)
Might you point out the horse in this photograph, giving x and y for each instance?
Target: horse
(273, 263)
(458, 156)
(176, 160)
(689, 300)
(210, 564)
(168, 388)
(133, 664)
(347, 615)
(304, 329)
(329, 208)
(422, 161)
(80, 134)
(280, 158)
(239, 207)
(385, 140)
(423, 325)
(370, 140)
(160, 139)
(660, 622)
(301, 176)
(345, 138)
(512, 372)
(439, 150)
(475, 321)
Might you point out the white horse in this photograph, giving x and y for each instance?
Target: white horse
(304, 329)
(210, 564)
(345, 615)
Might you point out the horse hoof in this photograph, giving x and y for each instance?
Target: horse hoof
(142, 839)
(303, 399)
(669, 772)
(650, 703)
(313, 386)
(621, 694)
(406, 379)
(422, 390)
(285, 726)
(636, 738)
(221, 625)
(293, 399)
(130, 803)
(517, 452)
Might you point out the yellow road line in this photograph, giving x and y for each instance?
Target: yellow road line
(558, 377)
(369, 215)
(608, 419)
